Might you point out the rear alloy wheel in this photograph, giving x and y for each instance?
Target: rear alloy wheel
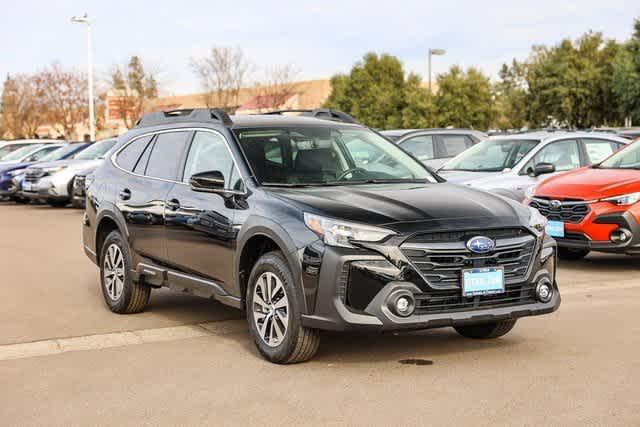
(570, 254)
(274, 315)
(487, 330)
(121, 293)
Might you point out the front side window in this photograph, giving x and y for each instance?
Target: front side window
(209, 153)
(326, 155)
(492, 155)
(564, 155)
(598, 149)
(627, 158)
(42, 153)
(420, 146)
(166, 154)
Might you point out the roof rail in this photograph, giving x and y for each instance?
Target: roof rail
(184, 115)
(320, 113)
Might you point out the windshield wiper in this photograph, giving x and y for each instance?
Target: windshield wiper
(286, 184)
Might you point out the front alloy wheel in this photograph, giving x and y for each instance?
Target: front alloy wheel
(114, 272)
(270, 309)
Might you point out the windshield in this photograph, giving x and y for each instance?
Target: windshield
(323, 155)
(627, 158)
(59, 154)
(96, 151)
(22, 152)
(4, 151)
(491, 155)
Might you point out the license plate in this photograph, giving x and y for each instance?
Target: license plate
(555, 228)
(482, 281)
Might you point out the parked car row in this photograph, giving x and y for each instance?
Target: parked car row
(46, 171)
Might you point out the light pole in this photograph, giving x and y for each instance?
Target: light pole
(431, 53)
(92, 120)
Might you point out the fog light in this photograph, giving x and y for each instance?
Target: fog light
(402, 303)
(620, 235)
(544, 290)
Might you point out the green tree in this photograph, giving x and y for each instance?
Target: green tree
(464, 99)
(626, 77)
(420, 110)
(511, 92)
(570, 83)
(373, 92)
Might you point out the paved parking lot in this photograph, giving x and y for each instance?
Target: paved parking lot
(66, 360)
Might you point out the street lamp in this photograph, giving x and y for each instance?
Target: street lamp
(92, 120)
(431, 53)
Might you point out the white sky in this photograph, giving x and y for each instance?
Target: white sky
(320, 38)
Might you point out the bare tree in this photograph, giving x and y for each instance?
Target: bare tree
(133, 88)
(278, 86)
(22, 108)
(64, 93)
(222, 73)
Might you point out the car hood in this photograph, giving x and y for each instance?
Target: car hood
(70, 164)
(464, 177)
(407, 207)
(13, 166)
(590, 184)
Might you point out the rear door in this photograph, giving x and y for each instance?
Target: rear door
(200, 234)
(153, 163)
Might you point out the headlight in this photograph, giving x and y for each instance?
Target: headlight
(530, 192)
(537, 221)
(623, 200)
(340, 233)
(16, 172)
(53, 170)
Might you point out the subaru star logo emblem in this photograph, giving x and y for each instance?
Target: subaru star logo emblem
(555, 204)
(480, 245)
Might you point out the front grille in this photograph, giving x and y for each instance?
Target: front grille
(452, 300)
(456, 236)
(573, 211)
(441, 264)
(33, 175)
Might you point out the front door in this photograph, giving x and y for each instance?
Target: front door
(200, 230)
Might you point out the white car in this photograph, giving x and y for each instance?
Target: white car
(509, 165)
(52, 182)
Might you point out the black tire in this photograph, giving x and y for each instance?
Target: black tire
(299, 343)
(135, 295)
(572, 254)
(487, 330)
(20, 200)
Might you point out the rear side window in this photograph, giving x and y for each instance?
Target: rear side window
(141, 166)
(420, 146)
(599, 149)
(166, 154)
(455, 144)
(128, 157)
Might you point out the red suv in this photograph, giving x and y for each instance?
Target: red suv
(594, 208)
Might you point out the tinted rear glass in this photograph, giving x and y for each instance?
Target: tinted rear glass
(166, 155)
(128, 157)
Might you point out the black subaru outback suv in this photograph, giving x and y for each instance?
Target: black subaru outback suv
(309, 222)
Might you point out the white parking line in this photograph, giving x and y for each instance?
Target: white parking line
(119, 339)
(143, 336)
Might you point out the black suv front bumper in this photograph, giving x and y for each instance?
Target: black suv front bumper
(354, 291)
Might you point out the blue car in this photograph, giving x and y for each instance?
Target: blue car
(12, 175)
